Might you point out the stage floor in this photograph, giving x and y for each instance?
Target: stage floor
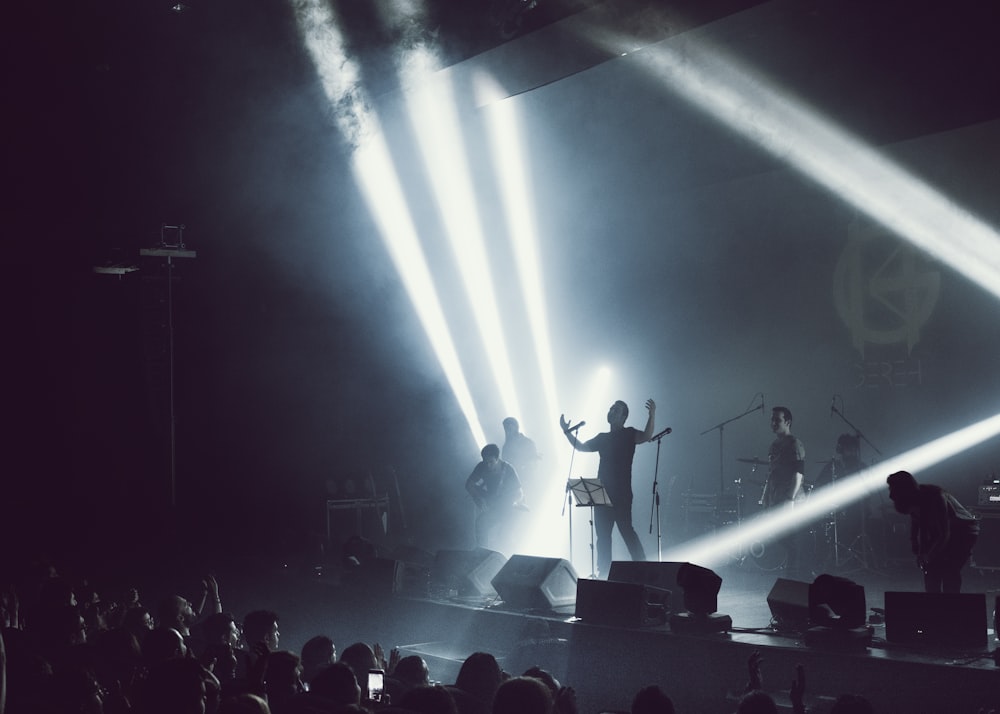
(607, 665)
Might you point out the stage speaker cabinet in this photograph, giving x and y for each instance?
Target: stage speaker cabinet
(468, 572)
(384, 576)
(789, 603)
(986, 554)
(657, 575)
(951, 619)
(528, 582)
(617, 604)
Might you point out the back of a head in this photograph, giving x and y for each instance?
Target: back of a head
(523, 695)
(429, 700)
(902, 481)
(544, 676)
(412, 671)
(244, 704)
(360, 658)
(480, 675)
(337, 684)
(852, 704)
(652, 700)
(318, 650)
(757, 702)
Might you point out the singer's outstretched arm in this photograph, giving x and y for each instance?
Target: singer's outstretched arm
(650, 423)
(577, 444)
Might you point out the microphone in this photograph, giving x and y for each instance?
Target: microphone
(833, 405)
(763, 409)
(575, 428)
(661, 434)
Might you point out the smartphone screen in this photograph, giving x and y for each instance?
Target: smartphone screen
(376, 684)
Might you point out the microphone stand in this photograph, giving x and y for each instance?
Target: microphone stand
(721, 426)
(569, 497)
(655, 506)
(856, 430)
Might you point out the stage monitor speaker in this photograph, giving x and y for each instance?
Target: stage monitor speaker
(621, 604)
(468, 572)
(384, 576)
(953, 619)
(657, 575)
(789, 603)
(529, 582)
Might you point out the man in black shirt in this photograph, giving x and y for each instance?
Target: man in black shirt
(616, 448)
(942, 531)
(496, 490)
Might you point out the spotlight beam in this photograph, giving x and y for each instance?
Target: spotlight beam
(514, 181)
(433, 114)
(379, 183)
(830, 156)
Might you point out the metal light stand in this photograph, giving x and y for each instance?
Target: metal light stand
(170, 248)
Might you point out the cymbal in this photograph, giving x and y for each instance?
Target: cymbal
(755, 461)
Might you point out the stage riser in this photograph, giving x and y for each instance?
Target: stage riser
(607, 665)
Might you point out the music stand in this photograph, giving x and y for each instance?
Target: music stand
(590, 493)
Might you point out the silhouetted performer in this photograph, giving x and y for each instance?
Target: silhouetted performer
(851, 519)
(616, 448)
(496, 490)
(942, 531)
(786, 457)
(520, 452)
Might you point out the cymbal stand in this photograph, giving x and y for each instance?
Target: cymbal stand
(861, 547)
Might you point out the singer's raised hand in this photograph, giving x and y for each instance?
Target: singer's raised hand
(563, 422)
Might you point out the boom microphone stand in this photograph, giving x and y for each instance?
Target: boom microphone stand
(655, 506)
(721, 426)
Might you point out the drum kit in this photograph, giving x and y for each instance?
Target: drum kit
(836, 541)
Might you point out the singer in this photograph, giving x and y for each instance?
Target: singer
(616, 449)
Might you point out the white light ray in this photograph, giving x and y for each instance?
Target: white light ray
(833, 158)
(514, 181)
(384, 196)
(377, 178)
(714, 549)
(432, 112)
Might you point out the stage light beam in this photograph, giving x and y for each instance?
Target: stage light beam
(378, 181)
(434, 118)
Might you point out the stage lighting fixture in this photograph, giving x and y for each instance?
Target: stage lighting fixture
(837, 602)
(701, 600)
(837, 614)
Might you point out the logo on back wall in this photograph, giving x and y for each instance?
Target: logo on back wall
(885, 291)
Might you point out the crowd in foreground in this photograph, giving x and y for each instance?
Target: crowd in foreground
(66, 649)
